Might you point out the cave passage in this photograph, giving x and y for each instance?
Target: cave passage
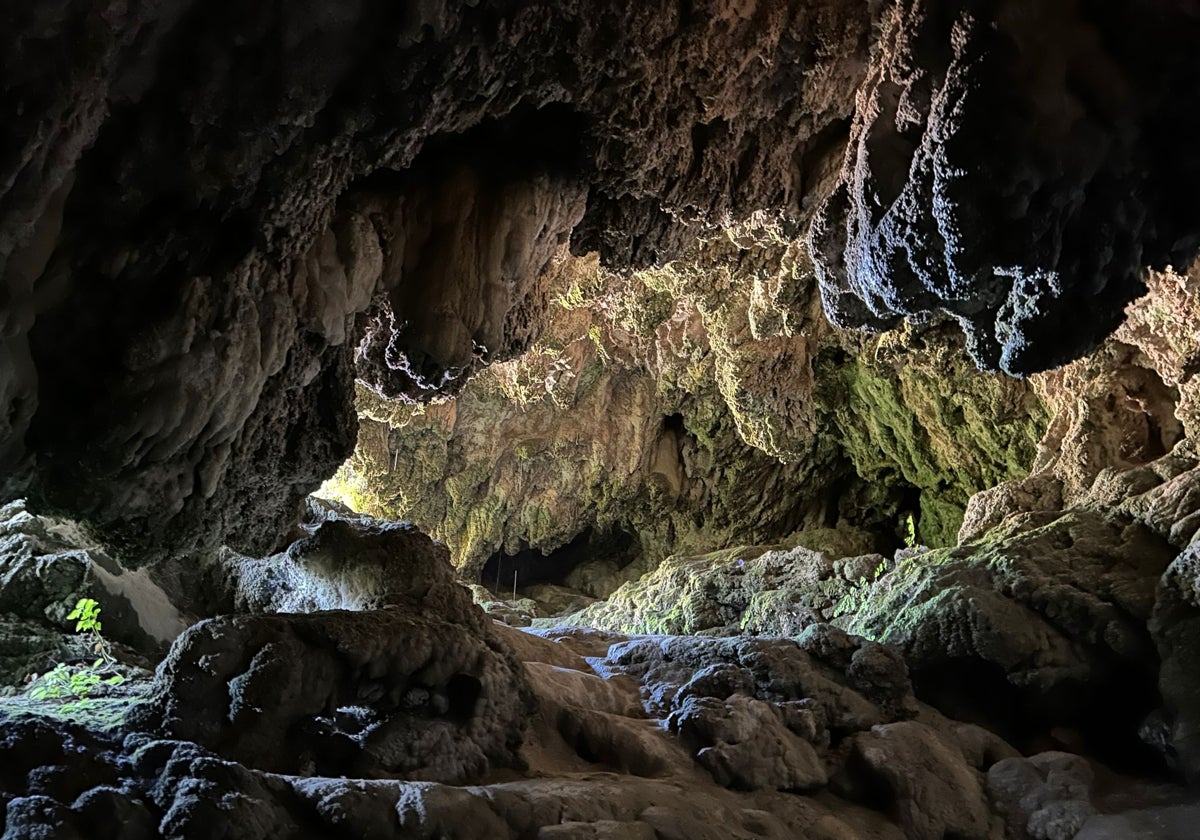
(533, 567)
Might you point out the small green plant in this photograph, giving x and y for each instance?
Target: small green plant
(77, 683)
(910, 532)
(86, 616)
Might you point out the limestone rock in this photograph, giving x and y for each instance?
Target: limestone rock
(933, 789)
(1031, 598)
(723, 376)
(379, 693)
(757, 713)
(757, 590)
(1175, 625)
(47, 566)
(416, 686)
(347, 561)
(1045, 610)
(751, 748)
(373, 693)
(184, 260)
(965, 135)
(1047, 797)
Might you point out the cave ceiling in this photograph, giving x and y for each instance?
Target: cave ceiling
(215, 217)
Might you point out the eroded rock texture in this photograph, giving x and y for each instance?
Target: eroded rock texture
(182, 253)
(195, 266)
(702, 404)
(662, 737)
(46, 566)
(408, 681)
(1009, 164)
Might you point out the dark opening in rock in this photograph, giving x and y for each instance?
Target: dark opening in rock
(530, 566)
(1099, 718)
(462, 693)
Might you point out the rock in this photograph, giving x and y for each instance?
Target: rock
(596, 578)
(200, 368)
(755, 712)
(558, 600)
(1040, 493)
(1175, 625)
(927, 782)
(959, 144)
(29, 647)
(347, 561)
(1054, 604)
(384, 692)
(1046, 797)
(111, 806)
(601, 830)
(203, 796)
(516, 613)
(723, 378)
(38, 818)
(750, 589)
(419, 687)
(48, 565)
(751, 747)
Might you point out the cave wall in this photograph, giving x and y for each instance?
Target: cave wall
(214, 218)
(179, 271)
(696, 405)
(1014, 166)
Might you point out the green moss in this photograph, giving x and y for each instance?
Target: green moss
(780, 416)
(947, 430)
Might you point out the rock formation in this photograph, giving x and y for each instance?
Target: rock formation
(1005, 167)
(704, 404)
(423, 719)
(670, 317)
(183, 252)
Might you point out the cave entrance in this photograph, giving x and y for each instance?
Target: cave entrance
(532, 567)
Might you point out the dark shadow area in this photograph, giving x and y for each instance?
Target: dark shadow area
(532, 567)
(462, 694)
(527, 142)
(1099, 719)
(674, 423)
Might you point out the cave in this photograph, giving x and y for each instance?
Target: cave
(530, 566)
(610, 420)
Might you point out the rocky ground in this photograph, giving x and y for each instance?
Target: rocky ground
(385, 703)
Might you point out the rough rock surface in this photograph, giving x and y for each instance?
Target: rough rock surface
(700, 405)
(367, 694)
(344, 561)
(1048, 610)
(1176, 628)
(46, 566)
(745, 719)
(182, 256)
(1005, 166)
(425, 719)
(409, 680)
(652, 737)
(747, 590)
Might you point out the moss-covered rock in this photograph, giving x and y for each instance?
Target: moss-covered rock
(701, 404)
(910, 409)
(773, 590)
